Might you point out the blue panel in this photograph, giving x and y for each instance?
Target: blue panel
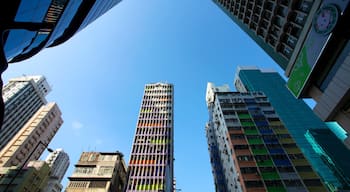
(276, 151)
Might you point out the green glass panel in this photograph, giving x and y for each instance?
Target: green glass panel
(276, 189)
(248, 124)
(265, 163)
(251, 132)
(244, 116)
(255, 141)
(260, 151)
(270, 175)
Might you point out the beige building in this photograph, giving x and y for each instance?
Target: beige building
(98, 172)
(29, 143)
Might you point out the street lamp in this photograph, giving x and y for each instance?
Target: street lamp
(25, 162)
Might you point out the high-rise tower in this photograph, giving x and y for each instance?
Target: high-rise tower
(33, 138)
(250, 148)
(98, 171)
(58, 161)
(298, 118)
(23, 96)
(151, 165)
(309, 39)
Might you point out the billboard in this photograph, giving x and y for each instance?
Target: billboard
(324, 21)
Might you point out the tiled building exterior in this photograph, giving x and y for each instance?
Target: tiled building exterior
(151, 161)
(30, 142)
(297, 117)
(256, 151)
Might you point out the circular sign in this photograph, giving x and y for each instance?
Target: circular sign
(325, 19)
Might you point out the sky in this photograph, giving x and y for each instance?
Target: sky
(98, 78)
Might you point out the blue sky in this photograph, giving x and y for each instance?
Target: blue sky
(98, 77)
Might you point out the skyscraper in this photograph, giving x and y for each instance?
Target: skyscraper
(98, 171)
(250, 148)
(297, 117)
(151, 165)
(33, 138)
(58, 162)
(23, 96)
(29, 26)
(309, 40)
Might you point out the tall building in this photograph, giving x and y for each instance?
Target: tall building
(151, 165)
(297, 117)
(34, 177)
(58, 161)
(98, 171)
(23, 96)
(309, 40)
(33, 138)
(250, 148)
(29, 26)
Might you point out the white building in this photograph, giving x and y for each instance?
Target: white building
(58, 161)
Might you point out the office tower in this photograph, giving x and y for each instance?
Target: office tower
(98, 171)
(29, 26)
(23, 96)
(34, 137)
(58, 162)
(151, 165)
(255, 150)
(297, 117)
(34, 177)
(309, 40)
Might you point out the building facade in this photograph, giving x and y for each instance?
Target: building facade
(29, 26)
(23, 96)
(151, 164)
(99, 172)
(298, 118)
(29, 143)
(309, 39)
(256, 151)
(58, 161)
(34, 177)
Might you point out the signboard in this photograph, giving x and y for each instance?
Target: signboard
(323, 23)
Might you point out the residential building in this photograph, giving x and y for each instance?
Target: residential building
(58, 161)
(29, 143)
(253, 150)
(151, 165)
(296, 115)
(309, 40)
(23, 96)
(98, 171)
(33, 177)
